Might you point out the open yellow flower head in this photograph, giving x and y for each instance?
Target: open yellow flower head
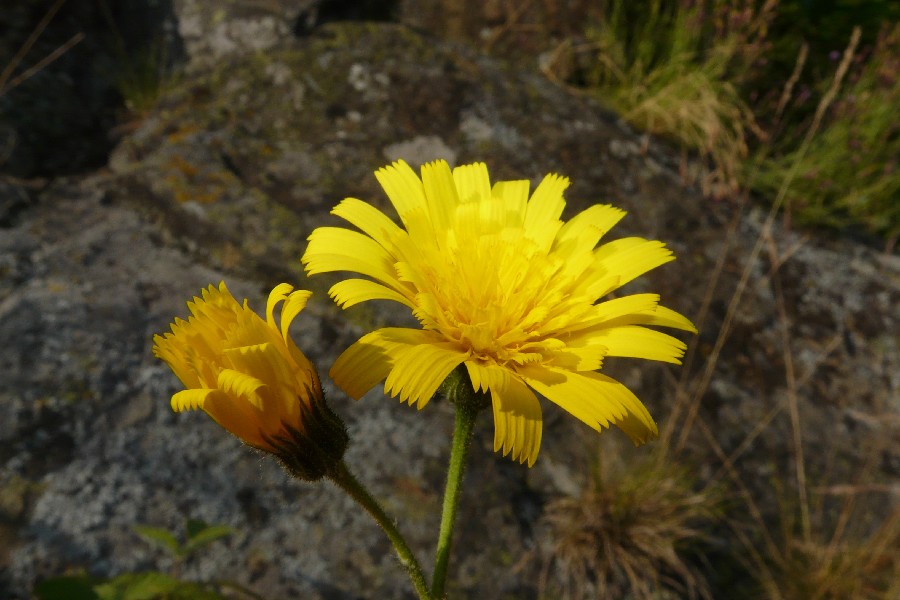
(250, 377)
(503, 286)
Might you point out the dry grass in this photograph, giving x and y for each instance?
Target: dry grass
(12, 77)
(670, 71)
(701, 112)
(820, 550)
(837, 559)
(9, 79)
(628, 534)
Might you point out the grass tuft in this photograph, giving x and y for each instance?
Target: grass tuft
(832, 564)
(669, 69)
(632, 532)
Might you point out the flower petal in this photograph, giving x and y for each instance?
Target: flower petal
(606, 312)
(472, 182)
(403, 188)
(279, 293)
(594, 221)
(371, 358)
(270, 369)
(295, 303)
(440, 194)
(661, 316)
(240, 418)
(353, 291)
(192, 399)
(246, 387)
(517, 413)
(515, 199)
(237, 417)
(337, 249)
(639, 342)
(629, 258)
(419, 370)
(546, 204)
(595, 399)
(366, 362)
(369, 219)
(170, 349)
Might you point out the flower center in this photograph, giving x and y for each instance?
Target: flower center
(489, 294)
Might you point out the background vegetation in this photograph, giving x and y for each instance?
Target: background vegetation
(739, 86)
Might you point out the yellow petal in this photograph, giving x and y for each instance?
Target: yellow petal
(215, 301)
(294, 303)
(660, 316)
(609, 313)
(419, 370)
(353, 291)
(594, 221)
(517, 413)
(440, 193)
(472, 182)
(543, 210)
(579, 358)
(666, 317)
(336, 249)
(369, 219)
(267, 364)
(278, 294)
(420, 235)
(547, 202)
(242, 386)
(371, 358)
(193, 399)
(485, 377)
(249, 330)
(596, 400)
(515, 199)
(629, 258)
(238, 417)
(169, 349)
(576, 393)
(403, 188)
(639, 342)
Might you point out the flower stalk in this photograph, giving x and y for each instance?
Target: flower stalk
(468, 403)
(344, 479)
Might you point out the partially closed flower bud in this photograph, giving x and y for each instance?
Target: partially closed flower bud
(250, 377)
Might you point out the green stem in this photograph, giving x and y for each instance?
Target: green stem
(462, 438)
(343, 478)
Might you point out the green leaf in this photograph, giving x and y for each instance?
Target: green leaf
(195, 526)
(160, 536)
(203, 537)
(138, 586)
(66, 587)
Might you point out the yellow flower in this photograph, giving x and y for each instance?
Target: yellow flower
(250, 377)
(502, 285)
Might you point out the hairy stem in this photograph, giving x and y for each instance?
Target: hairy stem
(344, 479)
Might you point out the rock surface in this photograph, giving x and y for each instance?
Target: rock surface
(226, 177)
